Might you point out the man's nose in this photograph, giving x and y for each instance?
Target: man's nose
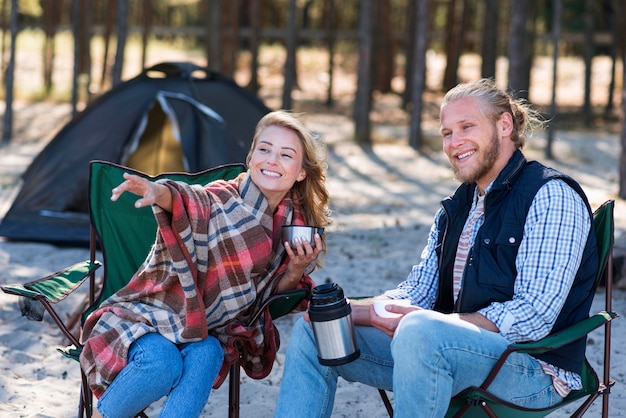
(456, 139)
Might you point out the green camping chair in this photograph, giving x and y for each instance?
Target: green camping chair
(124, 235)
(476, 402)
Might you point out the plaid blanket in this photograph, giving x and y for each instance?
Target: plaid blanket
(217, 257)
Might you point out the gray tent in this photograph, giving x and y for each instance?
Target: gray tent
(172, 117)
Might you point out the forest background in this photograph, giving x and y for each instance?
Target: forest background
(384, 47)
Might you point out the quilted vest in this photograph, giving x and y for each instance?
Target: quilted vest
(490, 271)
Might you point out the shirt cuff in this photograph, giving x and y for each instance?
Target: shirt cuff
(499, 315)
(396, 294)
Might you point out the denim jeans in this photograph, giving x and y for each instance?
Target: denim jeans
(439, 356)
(156, 368)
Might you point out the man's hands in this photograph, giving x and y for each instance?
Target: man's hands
(363, 314)
(389, 325)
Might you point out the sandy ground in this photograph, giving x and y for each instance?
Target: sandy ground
(383, 198)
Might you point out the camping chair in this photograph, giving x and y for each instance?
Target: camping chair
(124, 235)
(479, 402)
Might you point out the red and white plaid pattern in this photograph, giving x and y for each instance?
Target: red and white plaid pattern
(464, 244)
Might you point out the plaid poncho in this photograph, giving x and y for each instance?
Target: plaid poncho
(217, 256)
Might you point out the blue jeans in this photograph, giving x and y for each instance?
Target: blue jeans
(440, 356)
(156, 368)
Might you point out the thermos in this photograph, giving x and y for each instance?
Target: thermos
(331, 318)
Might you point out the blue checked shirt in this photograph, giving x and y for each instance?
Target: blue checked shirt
(552, 247)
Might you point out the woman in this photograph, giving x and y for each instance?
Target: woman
(218, 255)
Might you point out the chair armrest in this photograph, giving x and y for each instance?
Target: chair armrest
(287, 302)
(551, 342)
(280, 304)
(565, 336)
(71, 351)
(56, 286)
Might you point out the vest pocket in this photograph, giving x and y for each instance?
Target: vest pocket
(495, 254)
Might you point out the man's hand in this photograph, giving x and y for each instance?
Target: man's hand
(389, 325)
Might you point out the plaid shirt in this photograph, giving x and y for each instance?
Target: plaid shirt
(549, 256)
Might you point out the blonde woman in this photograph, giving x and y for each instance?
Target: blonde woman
(172, 331)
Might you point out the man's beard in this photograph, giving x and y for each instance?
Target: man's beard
(488, 157)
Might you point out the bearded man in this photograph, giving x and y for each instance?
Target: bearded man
(511, 257)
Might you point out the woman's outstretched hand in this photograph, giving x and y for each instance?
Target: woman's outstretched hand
(151, 193)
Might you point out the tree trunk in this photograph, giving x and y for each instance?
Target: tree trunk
(254, 11)
(145, 31)
(3, 14)
(108, 30)
(622, 158)
(7, 126)
(531, 36)
(556, 35)
(122, 33)
(518, 49)
(86, 24)
(290, 58)
(489, 47)
(214, 35)
(50, 22)
(419, 69)
(588, 50)
(409, 50)
(363, 100)
(330, 43)
(615, 36)
(230, 39)
(382, 66)
(77, 44)
(454, 42)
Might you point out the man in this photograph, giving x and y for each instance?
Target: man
(511, 257)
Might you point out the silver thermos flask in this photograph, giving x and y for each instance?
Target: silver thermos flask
(331, 318)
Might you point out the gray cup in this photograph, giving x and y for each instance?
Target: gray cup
(303, 232)
(331, 318)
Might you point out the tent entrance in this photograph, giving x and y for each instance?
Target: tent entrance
(157, 149)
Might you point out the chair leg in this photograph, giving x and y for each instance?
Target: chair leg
(233, 390)
(85, 406)
(385, 398)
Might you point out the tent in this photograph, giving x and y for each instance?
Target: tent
(171, 117)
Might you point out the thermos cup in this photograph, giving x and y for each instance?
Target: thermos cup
(331, 318)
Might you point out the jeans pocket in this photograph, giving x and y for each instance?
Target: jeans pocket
(545, 398)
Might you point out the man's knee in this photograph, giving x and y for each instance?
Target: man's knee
(420, 330)
(302, 334)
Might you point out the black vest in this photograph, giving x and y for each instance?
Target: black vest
(490, 270)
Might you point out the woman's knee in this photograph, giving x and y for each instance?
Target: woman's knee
(157, 356)
(205, 354)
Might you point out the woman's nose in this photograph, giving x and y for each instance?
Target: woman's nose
(272, 158)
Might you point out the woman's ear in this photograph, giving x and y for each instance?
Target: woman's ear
(301, 175)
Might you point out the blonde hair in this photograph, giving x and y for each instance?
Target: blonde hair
(494, 102)
(311, 192)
